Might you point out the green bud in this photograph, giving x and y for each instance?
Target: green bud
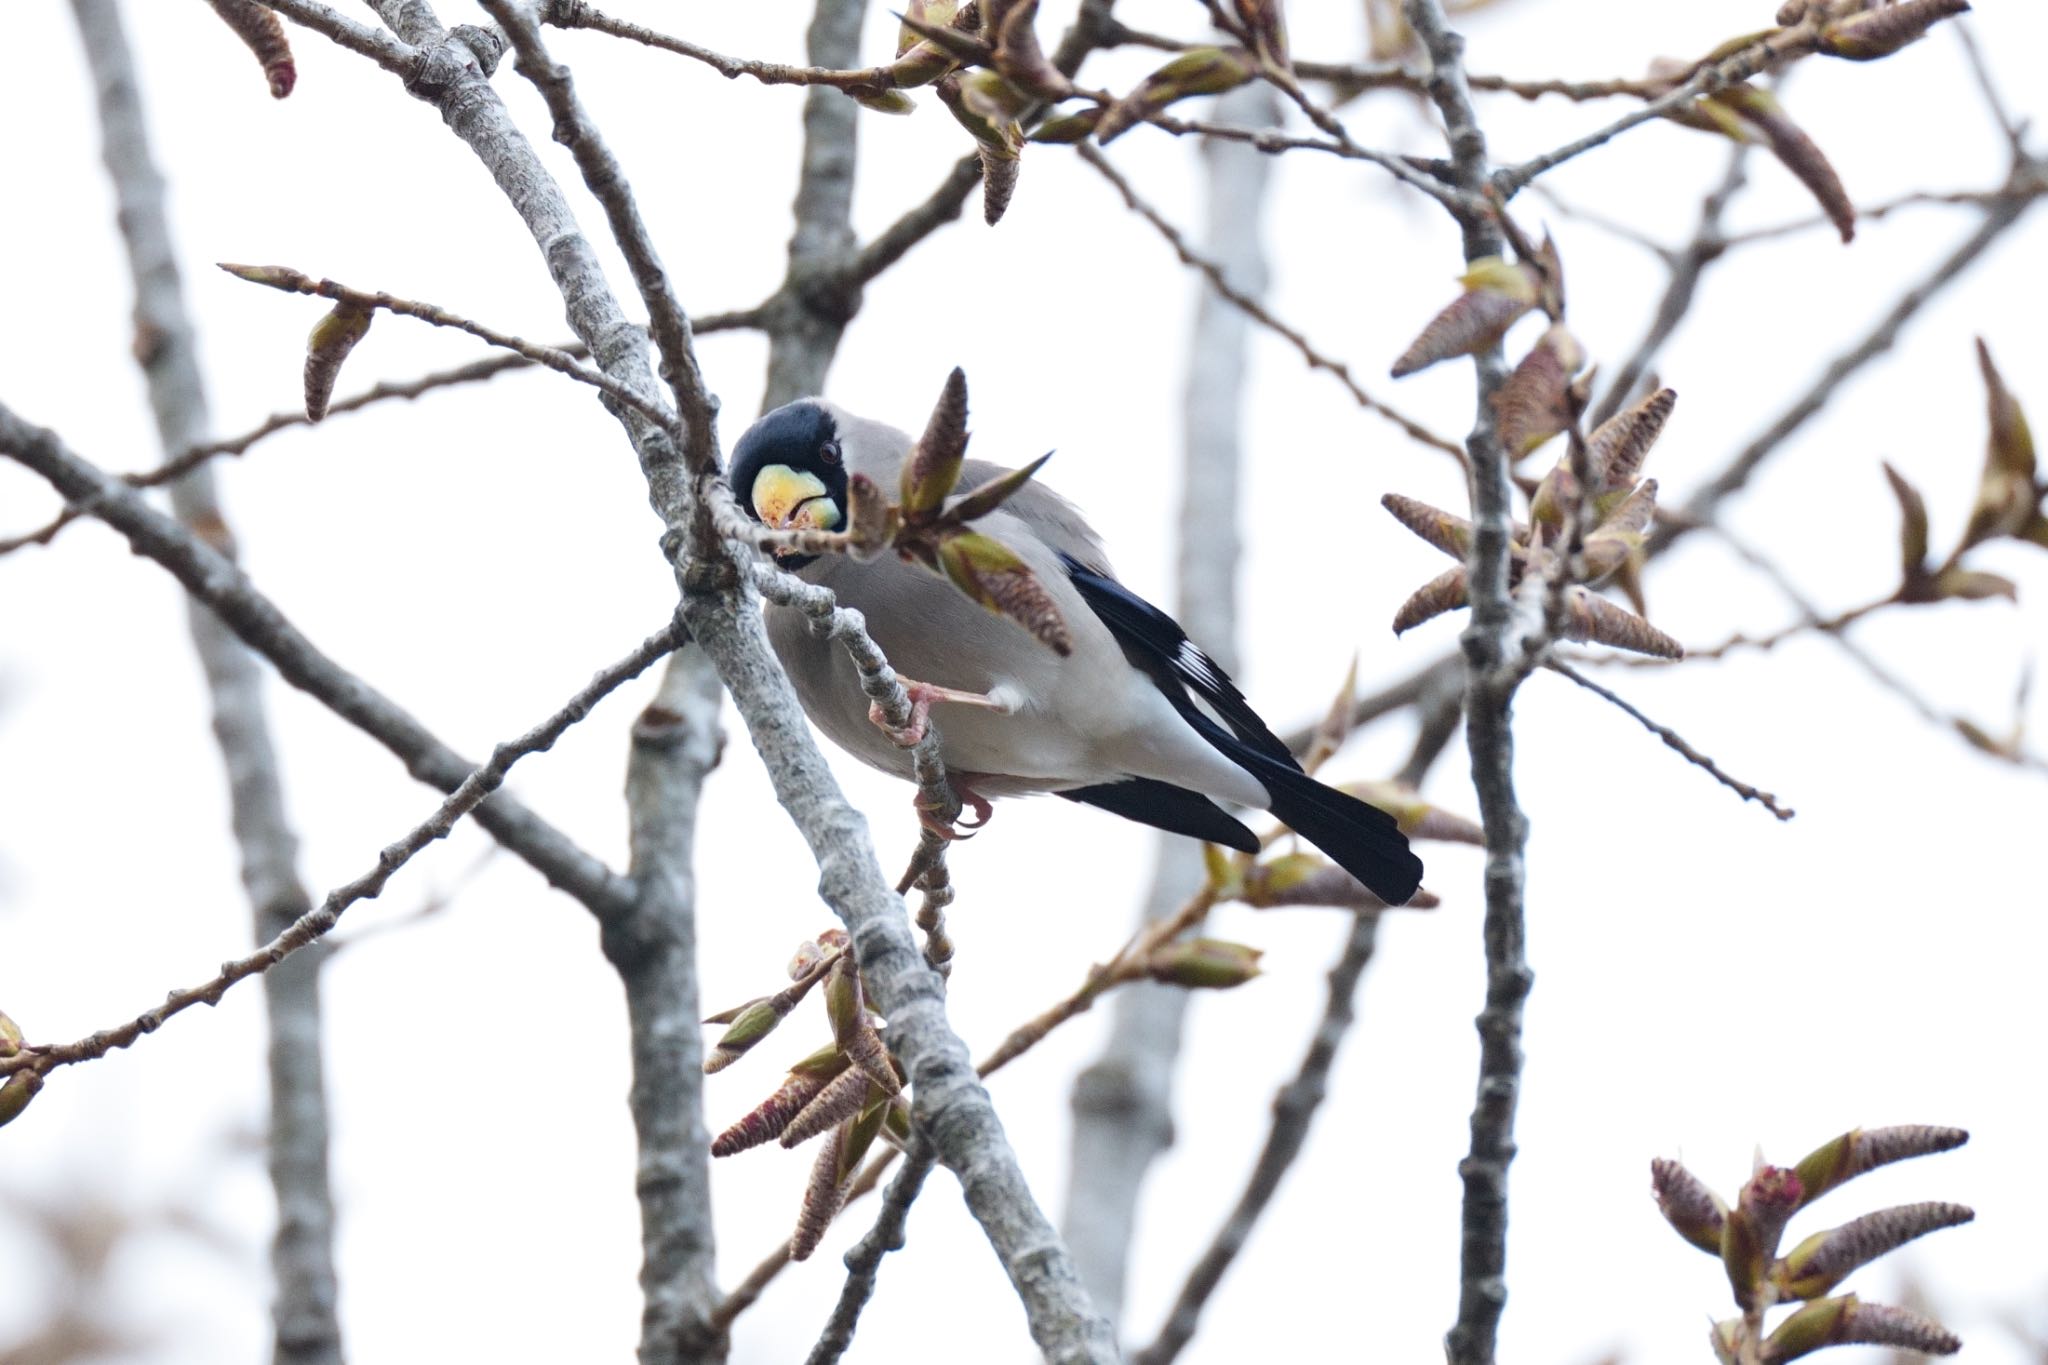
(1204, 964)
(21, 1087)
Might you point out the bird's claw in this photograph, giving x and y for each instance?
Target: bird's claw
(905, 736)
(958, 827)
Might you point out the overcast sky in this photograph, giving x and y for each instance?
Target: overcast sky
(1708, 981)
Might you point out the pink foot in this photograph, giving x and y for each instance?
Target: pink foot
(920, 713)
(958, 829)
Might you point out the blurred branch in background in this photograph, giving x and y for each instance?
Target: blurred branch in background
(1123, 1101)
(307, 1327)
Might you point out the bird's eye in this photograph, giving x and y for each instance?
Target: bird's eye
(829, 453)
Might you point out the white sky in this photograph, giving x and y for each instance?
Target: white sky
(1707, 980)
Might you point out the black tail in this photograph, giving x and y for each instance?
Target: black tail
(1360, 838)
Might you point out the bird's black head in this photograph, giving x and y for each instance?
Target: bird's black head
(788, 469)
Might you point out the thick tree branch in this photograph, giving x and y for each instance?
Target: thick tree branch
(676, 743)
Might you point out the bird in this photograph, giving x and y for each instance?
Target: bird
(1133, 718)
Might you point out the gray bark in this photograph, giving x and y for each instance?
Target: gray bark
(676, 742)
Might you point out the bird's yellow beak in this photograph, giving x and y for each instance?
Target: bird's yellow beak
(787, 500)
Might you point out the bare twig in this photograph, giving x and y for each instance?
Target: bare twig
(1835, 629)
(216, 581)
(1825, 625)
(668, 323)
(817, 75)
(561, 362)
(1254, 309)
(1769, 51)
(1293, 1110)
(380, 47)
(193, 456)
(1998, 217)
(312, 925)
(1675, 741)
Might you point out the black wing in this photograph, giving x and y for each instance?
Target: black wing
(1155, 644)
(1165, 806)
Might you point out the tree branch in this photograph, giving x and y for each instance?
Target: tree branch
(676, 743)
(1675, 741)
(1214, 273)
(1497, 652)
(216, 581)
(315, 923)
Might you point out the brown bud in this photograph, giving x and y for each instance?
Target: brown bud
(1197, 71)
(1848, 1321)
(1497, 292)
(824, 1196)
(2007, 500)
(1267, 25)
(1021, 61)
(1865, 1149)
(992, 574)
(1589, 616)
(770, 1117)
(1825, 1259)
(260, 30)
(1883, 30)
(1616, 449)
(843, 1097)
(1445, 530)
(1759, 111)
(1750, 1231)
(333, 337)
(1445, 592)
(1687, 1204)
(1537, 401)
(934, 464)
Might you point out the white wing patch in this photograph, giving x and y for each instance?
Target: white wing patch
(1192, 663)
